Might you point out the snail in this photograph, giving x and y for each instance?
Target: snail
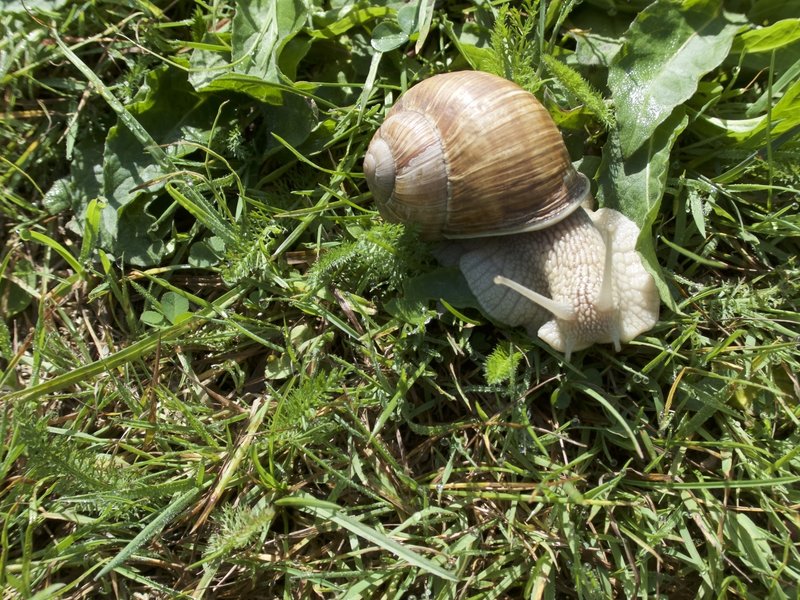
(476, 163)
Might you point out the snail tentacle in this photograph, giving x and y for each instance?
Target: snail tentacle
(605, 298)
(560, 310)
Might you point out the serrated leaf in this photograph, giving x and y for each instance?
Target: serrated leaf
(502, 363)
(635, 186)
(668, 48)
(411, 312)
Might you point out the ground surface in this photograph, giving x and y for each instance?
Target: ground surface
(224, 376)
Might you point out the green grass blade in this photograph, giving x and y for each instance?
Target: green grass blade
(332, 512)
(134, 351)
(618, 417)
(45, 240)
(150, 531)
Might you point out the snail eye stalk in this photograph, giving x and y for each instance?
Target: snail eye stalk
(561, 311)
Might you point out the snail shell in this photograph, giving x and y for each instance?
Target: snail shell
(469, 154)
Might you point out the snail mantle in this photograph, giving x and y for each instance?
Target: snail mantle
(476, 163)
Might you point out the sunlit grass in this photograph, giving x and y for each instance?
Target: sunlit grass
(277, 405)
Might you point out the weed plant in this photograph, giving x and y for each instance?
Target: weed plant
(224, 376)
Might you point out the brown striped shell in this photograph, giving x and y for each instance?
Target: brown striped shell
(469, 154)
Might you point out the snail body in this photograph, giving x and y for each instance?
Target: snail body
(476, 163)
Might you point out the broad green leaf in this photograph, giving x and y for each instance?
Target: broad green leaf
(15, 298)
(32, 6)
(263, 91)
(444, 285)
(175, 307)
(782, 119)
(635, 186)
(348, 19)
(413, 313)
(278, 366)
(58, 196)
(151, 317)
(260, 31)
(668, 48)
(173, 114)
(595, 50)
(598, 37)
(388, 36)
(770, 38)
(135, 234)
(207, 253)
(480, 59)
(291, 54)
(407, 19)
(83, 185)
(179, 119)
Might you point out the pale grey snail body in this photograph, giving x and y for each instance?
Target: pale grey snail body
(474, 161)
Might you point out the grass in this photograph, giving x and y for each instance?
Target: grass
(224, 376)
